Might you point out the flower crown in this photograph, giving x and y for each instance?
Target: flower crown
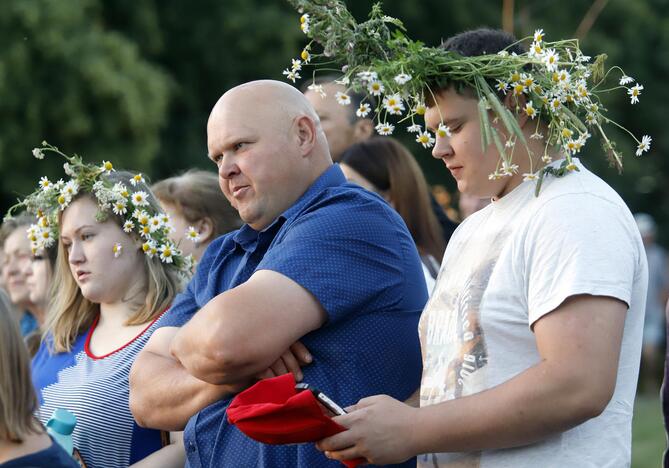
(132, 206)
(559, 84)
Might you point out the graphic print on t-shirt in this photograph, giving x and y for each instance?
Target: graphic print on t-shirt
(454, 347)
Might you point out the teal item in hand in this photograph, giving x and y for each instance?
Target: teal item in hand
(60, 427)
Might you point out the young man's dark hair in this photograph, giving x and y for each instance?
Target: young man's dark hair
(482, 41)
(472, 43)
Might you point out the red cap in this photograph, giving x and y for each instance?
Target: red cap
(273, 412)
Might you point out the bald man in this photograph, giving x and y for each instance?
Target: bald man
(318, 261)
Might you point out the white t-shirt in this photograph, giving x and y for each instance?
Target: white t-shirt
(505, 267)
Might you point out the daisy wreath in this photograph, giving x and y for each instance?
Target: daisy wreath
(559, 85)
(137, 215)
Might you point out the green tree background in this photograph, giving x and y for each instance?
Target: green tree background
(133, 81)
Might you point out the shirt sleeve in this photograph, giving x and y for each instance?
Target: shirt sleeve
(185, 304)
(579, 245)
(350, 260)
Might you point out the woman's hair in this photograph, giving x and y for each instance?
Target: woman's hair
(18, 403)
(389, 166)
(70, 313)
(197, 195)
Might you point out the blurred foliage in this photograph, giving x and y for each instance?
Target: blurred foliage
(133, 81)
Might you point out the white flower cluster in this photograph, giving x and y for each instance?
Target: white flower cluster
(549, 84)
(133, 207)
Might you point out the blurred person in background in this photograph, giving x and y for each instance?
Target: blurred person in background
(343, 128)
(39, 273)
(384, 166)
(197, 208)
(23, 440)
(16, 249)
(658, 287)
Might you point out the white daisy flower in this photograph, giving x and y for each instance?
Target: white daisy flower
(140, 198)
(626, 80)
(38, 153)
(45, 183)
(343, 98)
(117, 249)
(503, 53)
(192, 234)
(536, 50)
(502, 86)
(137, 179)
(149, 248)
(563, 77)
(635, 92)
(385, 129)
(363, 110)
(551, 59)
(420, 108)
(107, 167)
(528, 176)
(63, 201)
(375, 88)
(166, 253)
(368, 75)
(508, 168)
(164, 218)
(119, 208)
(155, 223)
(296, 65)
(443, 131)
(145, 231)
(555, 104)
(538, 35)
(71, 188)
(393, 104)
(414, 128)
(304, 23)
(425, 139)
(291, 75)
(141, 216)
(530, 110)
(402, 78)
(571, 167)
(317, 89)
(644, 145)
(128, 226)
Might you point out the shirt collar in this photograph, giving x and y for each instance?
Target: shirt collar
(247, 237)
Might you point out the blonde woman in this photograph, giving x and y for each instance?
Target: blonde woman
(197, 209)
(116, 274)
(23, 441)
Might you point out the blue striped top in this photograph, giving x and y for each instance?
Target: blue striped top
(96, 390)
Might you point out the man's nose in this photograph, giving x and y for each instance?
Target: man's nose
(442, 148)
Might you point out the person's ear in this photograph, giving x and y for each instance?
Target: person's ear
(305, 134)
(363, 129)
(205, 227)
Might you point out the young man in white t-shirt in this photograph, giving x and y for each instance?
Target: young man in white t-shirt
(531, 339)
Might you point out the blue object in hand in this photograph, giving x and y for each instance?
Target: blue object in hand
(60, 427)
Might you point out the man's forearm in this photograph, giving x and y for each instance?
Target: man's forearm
(163, 395)
(530, 407)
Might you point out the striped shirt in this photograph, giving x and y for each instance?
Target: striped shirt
(95, 389)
